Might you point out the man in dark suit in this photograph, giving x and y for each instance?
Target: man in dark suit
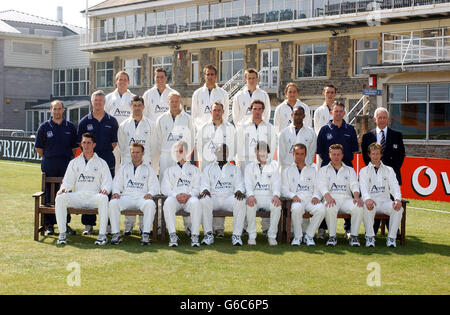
(392, 142)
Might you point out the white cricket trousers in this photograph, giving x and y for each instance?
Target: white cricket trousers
(81, 199)
(275, 214)
(344, 206)
(385, 207)
(116, 206)
(298, 209)
(229, 203)
(192, 206)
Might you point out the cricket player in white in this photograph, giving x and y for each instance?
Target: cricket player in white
(378, 182)
(250, 92)
(156, 99)
(295, 133)
(222, 187)
(181, 183)
(283, 112)
(136, 128)
(171, 127)
(263, 187)
(251, 132)
(322, 115)
(299, 183)
(117, 104)
(86, 184)
(204, 97)
(337, 182)
(215, 132)
(134, 186)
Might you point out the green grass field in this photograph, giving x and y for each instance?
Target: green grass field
(29, 267)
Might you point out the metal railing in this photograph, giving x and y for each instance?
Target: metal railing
(16, 133)
(414, 49)
(172, 25)
(357, 109)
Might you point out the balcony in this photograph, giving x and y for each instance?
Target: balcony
(175, 26)
(420, 50)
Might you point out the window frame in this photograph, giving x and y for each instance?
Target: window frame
(356, 51)
(298, 55)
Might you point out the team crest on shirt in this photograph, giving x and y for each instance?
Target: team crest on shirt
(95, 168)
(90, 127)
(346, 178)
(329, 136)
(49, 134)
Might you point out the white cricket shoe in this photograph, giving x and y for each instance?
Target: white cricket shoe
(208, 239)
(173, 242)
(296, 241)
(332, 241)
(236, 240)
(309, 240)
(251, 241)
(272, 241)
(390, 242)
(370, 241)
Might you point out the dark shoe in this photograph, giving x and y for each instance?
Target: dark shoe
(49, 230)
(69, 231)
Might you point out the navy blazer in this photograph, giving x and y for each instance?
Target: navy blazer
(394, 153)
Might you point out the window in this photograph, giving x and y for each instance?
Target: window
(195, 71)
(133, 68)
(366, 53)
(312, 60)
(420, 111)
(231, 61)
(70, 82)
(104, 74)
(164, 62)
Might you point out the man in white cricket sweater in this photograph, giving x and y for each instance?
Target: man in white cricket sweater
(263, 187)
(171, 127)
(222, 187)
(299, 183)
(134, 186)
(204, 97)
(282, 117)
(378, 182)
(337, 182)
(295, 133)
(136, 128)
(86, 184)
(250, 92)
(181, 183)
(117, 104)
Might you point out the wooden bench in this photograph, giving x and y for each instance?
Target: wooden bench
(40, 208)
(383, 217)
(224, 213)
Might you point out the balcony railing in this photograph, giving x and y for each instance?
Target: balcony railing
(172, 26)
(414, 47)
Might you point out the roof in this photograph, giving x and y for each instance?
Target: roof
(6, 28)
(17, 16)
(116, 3)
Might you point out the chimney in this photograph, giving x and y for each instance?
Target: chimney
(59, 14)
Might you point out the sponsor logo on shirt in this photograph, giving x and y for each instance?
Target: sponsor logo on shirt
(338, 188)
(262, 187)
(173, 137)
(134, 185)
(132, 140)
(183, 182)
(85, 178)
(378, 189)
(302, 187)
(161, 109)
(121, 113)
(223, 185)
(207, 110)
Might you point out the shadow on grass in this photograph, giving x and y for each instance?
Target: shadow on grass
(131, 244)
